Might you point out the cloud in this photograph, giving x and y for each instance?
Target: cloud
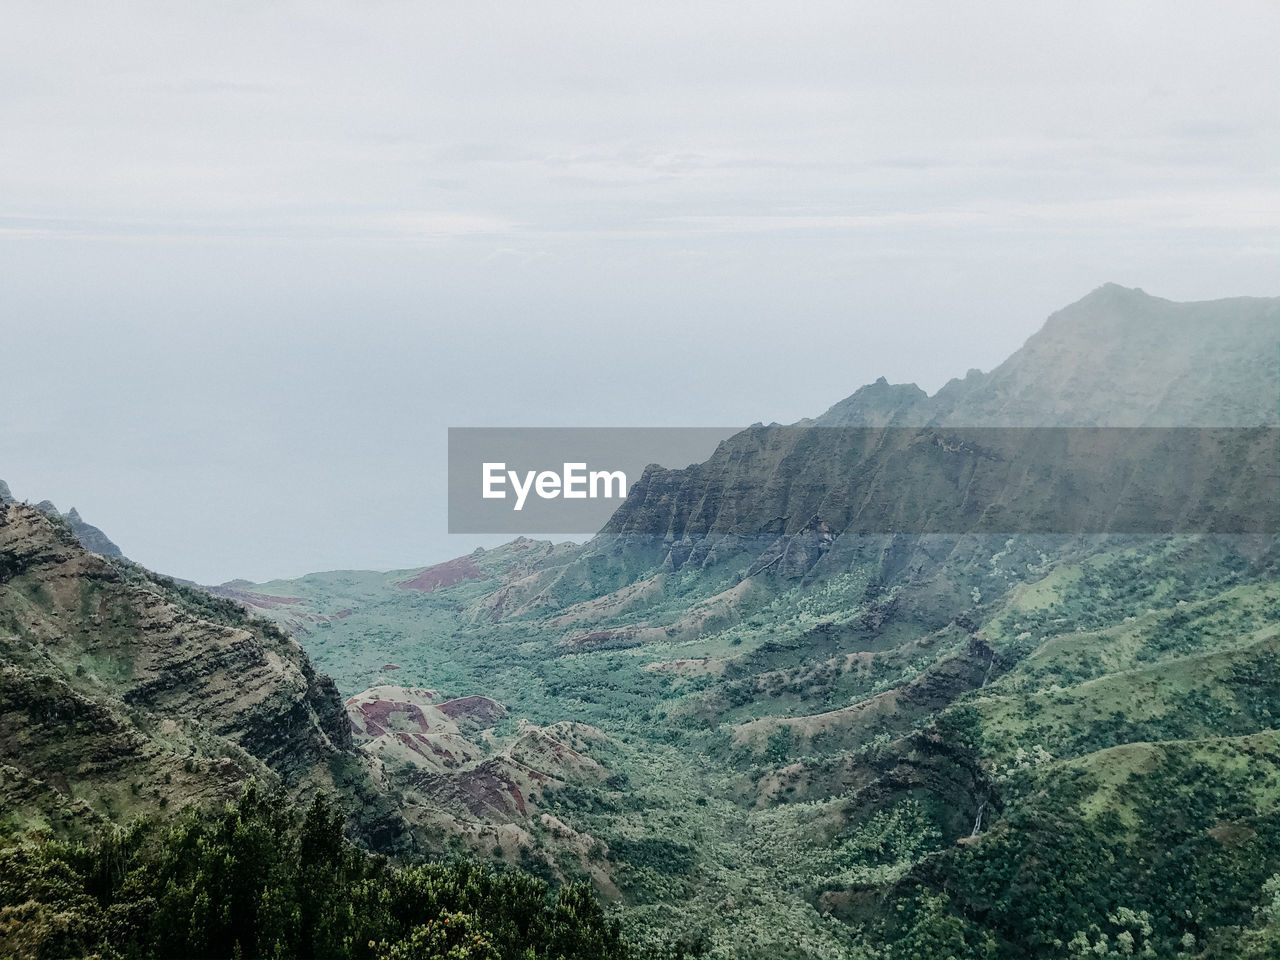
(429, 226)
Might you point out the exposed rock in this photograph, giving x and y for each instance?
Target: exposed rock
(890, 459)
(90, 537)
(115, 677)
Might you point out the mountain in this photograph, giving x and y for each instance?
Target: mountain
(822, 739)
(123, 693)
(90, 537)
(1117, 358)
(176, 779)
(1124, 413)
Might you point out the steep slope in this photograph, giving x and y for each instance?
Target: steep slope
(90, 537)
(481, 791)
(124, 693)
(1119, 357)
(983, 454)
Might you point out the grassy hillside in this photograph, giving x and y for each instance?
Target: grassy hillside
(782, 771)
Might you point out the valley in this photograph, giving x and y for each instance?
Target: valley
(795, 727)
(764, 730)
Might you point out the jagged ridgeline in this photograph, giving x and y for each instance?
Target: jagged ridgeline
(90, 537)
(795, 702)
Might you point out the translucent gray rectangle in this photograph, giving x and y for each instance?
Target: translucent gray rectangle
(898, 480)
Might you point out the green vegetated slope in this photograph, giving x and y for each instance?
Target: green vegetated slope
(257, 879)
(779, 784)
(790, 740)
(158, 747)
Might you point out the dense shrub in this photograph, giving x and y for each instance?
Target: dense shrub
(255, 880)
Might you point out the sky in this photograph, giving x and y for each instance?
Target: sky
(256, 258)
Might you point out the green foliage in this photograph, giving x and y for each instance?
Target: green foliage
(1100, 658)
(655, 853)
(899, 835)
(927, 930)
(778, 747)
(254, 880)
(1050, 880)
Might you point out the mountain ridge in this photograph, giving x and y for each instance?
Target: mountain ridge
(1062, 361)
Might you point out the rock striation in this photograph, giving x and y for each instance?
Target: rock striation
(125, 693)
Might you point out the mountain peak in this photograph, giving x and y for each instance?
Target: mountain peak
(90, 537)
(1121, 357)
(877, 404)
(1111, 289)
(1116, 357)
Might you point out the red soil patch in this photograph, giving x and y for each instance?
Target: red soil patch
(518, 797)
(424, 747)
(489, 788)
(375, 714)
(443, 575)
(260, 600)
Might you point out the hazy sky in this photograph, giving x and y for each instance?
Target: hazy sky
(256, 257)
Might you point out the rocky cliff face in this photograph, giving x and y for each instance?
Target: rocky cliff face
(976, 457)
(90, 537)
(123, 692)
